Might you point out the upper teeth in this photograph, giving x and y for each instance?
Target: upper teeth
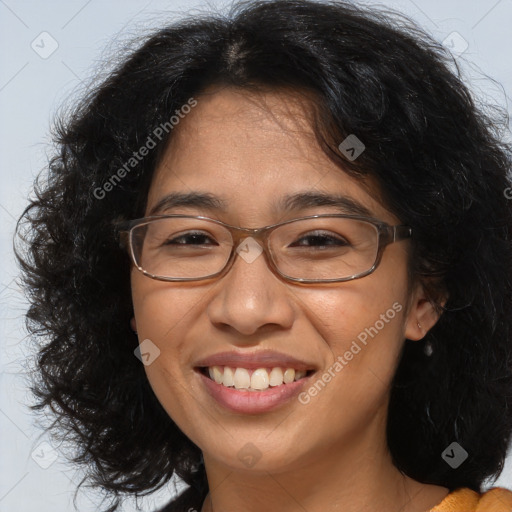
(259, 379)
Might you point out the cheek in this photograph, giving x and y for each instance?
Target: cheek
(361, 325)
(160, 307)
(163, 314)
(353, 311)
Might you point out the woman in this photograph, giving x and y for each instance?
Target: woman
(273, 257)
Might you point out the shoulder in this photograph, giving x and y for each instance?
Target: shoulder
(189, 500)
(497, 499)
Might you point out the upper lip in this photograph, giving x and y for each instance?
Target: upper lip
(254, 360)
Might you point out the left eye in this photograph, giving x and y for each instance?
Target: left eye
(321, 240)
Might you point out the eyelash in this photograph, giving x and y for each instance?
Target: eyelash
(317, 236)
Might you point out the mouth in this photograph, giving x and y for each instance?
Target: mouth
(253, 379)
(253, 382)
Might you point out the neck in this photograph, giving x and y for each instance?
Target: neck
(356, 477)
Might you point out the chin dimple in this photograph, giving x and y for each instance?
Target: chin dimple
(254, 380)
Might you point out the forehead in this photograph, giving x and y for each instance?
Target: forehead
(250, 149)
(229, 126)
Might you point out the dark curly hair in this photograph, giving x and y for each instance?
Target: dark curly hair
(441, 165)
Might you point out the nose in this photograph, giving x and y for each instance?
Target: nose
(250, 297)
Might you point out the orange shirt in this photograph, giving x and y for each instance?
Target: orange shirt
(496, 499)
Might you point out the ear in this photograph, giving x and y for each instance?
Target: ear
(422, 315)
(133, 324)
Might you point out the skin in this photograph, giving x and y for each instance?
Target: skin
(331, 454)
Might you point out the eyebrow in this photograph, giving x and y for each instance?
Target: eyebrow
(303, 200)
(191, 199)
(289, 203)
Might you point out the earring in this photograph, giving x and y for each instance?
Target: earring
(427, 349)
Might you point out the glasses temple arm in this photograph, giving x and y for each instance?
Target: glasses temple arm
(401, 232)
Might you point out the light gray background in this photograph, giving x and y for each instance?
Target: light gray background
(32, 88)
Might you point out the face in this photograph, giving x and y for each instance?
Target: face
(250, 152)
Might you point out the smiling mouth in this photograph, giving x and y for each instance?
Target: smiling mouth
(259, 379)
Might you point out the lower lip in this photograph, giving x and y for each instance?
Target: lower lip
(253, 402)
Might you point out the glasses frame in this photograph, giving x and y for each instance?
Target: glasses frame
(386, 233)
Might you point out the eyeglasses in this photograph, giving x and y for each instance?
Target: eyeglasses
(315, 249)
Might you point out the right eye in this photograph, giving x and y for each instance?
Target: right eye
(190, 238)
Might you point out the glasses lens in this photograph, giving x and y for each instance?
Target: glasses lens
(325, 248)
(181, 247)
